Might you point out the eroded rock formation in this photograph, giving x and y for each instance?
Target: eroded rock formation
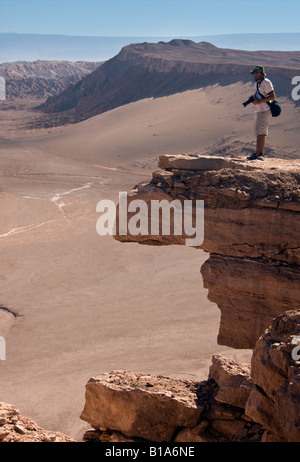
(274, 402)
(141, 405)
(252, 235)
(251, 231)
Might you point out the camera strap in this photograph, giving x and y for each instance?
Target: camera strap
(263, 97)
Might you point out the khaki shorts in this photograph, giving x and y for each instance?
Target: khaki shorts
(262, 122)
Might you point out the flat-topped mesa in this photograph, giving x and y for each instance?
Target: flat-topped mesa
(152, 70)
(251, 230)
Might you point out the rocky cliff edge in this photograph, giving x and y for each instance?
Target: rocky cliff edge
(251, 232)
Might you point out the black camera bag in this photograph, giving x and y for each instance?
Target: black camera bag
(274, 106)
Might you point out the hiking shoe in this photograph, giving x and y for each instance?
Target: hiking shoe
(252, 157)
(255, 157)
(260, 157)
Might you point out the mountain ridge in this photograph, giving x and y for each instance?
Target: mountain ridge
(40, 79)
(153, 70)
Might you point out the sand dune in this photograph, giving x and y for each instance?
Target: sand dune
(188, 122)
(89, 304)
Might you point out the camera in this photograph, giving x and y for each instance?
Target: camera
(250, 100)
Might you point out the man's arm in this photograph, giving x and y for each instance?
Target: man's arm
(270, 97)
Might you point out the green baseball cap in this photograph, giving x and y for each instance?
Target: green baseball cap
(258, 69)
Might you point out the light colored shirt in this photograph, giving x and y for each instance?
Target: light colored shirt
(265, 87)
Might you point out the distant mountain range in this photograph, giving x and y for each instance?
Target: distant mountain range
(31, 47)
(154, 70)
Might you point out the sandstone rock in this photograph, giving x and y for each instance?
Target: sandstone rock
(229, 423)
(221, 411)
(272, 357)
(288, 405)
(105, 437)
(117, 437)
(108, 436)
(262, 409)
(232, 429)
(92, 435)
(255, 208)
(3, 434)
(139, 405)
(196, 162)
(17, 428)
(233, 380)
(20, 429)
(275, 401)
(252, 294)
(50, 439)
(126, 405)
(195, 434)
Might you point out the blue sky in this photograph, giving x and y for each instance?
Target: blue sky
(149, 17)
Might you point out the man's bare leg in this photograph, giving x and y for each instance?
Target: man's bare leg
(260, 144)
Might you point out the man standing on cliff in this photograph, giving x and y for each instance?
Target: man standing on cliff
(264, 92)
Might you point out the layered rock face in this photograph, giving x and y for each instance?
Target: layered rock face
(251, 230)
(274, 401)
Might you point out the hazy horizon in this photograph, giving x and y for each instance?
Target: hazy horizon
(52, 47)
(232, 24)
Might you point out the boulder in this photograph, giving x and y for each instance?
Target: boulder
(233, 379)
(140, 405)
